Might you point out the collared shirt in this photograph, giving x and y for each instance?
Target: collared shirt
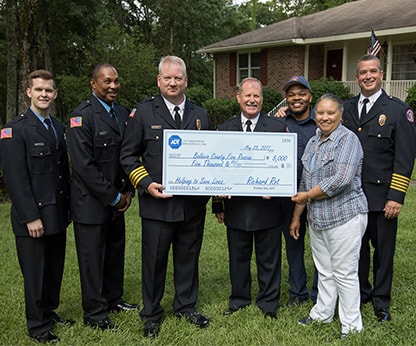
(305, 129)
(105, 105)
(371, 100)
(253, 122)
(171, 107)
(335, 165)
(42, 120)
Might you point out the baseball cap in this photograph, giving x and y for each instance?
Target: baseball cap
(297, 80)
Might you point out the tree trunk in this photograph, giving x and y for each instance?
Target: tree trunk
(28, 49)
(12, 61)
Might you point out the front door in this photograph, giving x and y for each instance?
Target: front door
(334, 64)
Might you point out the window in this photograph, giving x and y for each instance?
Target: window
(404, 62)
(248, 65)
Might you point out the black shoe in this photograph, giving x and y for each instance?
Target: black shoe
(383, 314)
(296, 301)
(270, 314)
(230, 311)
(196, 318)
(56, 319)
(151, 329)
(124, 306)
(48, 336)
(104, 324)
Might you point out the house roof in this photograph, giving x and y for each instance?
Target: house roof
(351, 20)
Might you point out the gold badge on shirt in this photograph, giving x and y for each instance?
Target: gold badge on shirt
(382, 119)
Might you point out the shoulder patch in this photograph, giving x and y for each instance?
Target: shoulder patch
(6, 133)
(410, 115)
(75, 122)
(132, 113)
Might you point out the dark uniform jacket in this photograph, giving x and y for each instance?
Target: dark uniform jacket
(94, 140)
(36, 174)
(141, 156)
(388, 138)
(251, 213)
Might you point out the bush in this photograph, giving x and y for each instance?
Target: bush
(271, 99)
(221, 109)
(329, 86)
(411, 96)
(199, 94)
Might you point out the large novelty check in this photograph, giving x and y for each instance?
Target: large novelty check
(229, 163)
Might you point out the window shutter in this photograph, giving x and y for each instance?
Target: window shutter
(263, 66)
(233, 69)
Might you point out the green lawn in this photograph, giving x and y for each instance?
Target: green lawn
(248, 327)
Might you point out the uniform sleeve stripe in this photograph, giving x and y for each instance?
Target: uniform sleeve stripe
(399, 182)
(137, 174)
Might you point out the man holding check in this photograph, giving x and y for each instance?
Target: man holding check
(252, 219)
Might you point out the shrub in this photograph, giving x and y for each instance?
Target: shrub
(271, 98)
(221, 109)
(199, 94)
(329, 86)
(411, 96)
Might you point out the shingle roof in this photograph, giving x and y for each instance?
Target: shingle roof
(350, 18)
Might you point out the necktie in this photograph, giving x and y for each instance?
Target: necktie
(248, 125)
(114, 116)
(364, 109)
(178, 119)
(50, 130)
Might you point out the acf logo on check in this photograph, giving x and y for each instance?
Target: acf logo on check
(175, 141)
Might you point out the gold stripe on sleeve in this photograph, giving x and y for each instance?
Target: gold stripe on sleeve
(137, 174)
(399, 182)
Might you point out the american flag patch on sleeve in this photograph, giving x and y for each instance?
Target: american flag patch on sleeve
(75, 122)
(6, 132)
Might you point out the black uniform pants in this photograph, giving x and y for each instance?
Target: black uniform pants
(185, 237)
(381, 233)
(42, 264)
(100, 250)
(268, 259)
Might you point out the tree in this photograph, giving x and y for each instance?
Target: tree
(10, 93)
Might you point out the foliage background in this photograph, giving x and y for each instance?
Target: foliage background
(69, 37)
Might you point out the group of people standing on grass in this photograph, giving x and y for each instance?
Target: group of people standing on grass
(355, 159)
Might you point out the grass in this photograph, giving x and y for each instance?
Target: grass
(247, 327)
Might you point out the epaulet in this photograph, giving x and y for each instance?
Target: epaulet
(148, 99)
(230, 119)
(17, 118)
(85, 104)
(410, 116)
(282, 120)
(396, 99)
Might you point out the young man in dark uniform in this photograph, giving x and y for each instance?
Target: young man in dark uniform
(100, 194)
(385, 127)
(36, 175)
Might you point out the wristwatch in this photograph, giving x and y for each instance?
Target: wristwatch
(308, 199)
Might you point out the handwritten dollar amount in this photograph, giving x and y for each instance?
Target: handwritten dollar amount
(279, 158)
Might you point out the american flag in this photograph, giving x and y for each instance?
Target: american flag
(75, 122)
(6, 132)
(374, 47)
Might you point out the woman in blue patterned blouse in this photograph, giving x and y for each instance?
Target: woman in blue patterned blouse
(337, 215)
